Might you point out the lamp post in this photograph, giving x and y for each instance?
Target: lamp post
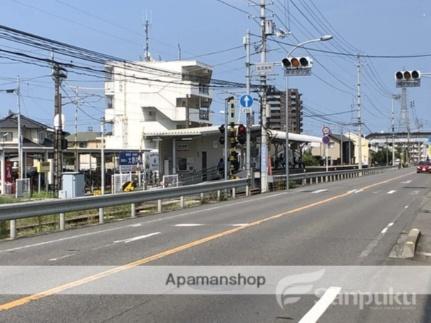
(394, 97)
(286, 154)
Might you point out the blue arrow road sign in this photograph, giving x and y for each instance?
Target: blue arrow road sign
(246, 101)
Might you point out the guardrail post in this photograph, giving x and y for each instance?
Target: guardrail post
(326, 179)
(247, 190)
(101, 215)
(311, 180)
(159, 206)
(304, 182)
(182, 202)
(202, 197)
(233, 192)
(12, 229)
(62, 222)
(218, 195)
(133, 210)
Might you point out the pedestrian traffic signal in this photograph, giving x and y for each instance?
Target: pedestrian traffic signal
(242, 134)
(222, 130)
(64, 144)
(234, 162)
(408, 78)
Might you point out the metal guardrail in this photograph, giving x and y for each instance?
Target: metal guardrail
(333, 175)
(16, 211)
(30, 209)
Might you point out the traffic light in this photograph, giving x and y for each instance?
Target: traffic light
(64, 144)
(242, 134)
(234, 162)
(232, 135)
(408, 78)
(222, 130)
(297, 65)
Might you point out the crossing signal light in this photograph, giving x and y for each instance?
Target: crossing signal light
(408, 78)
(297, 62)
(234, 162)
(242, 134)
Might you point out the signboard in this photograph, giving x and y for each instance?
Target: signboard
(325, 140)
(42, 166)
(264, 68)
(326, 131)
(246, 101)
(129, 158)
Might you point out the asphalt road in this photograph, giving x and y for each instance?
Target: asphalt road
(351, 222)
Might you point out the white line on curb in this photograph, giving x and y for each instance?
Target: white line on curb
(137, 238)
(321, 306)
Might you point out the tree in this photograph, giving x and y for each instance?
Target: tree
(309, 159)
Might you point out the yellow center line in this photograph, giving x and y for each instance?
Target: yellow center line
(34, 297)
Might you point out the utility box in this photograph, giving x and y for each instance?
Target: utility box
(73, 185)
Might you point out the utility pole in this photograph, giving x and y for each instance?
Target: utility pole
(358, 102)
(341, 147)
(394, 97)
(404, 119)
(20, 141)
(226, 118)
(77, 104)
(248, 114)
(102, 157)
(263, 107)
(59, 74)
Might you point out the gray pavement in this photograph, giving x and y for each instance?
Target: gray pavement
(340, 223)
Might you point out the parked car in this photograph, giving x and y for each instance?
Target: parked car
(423, 167)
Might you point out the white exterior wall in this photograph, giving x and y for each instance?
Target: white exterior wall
(131, 95)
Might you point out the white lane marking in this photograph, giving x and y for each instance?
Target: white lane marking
(239, 224)
(137, 238)
(414, 193)
(135, 225)
(321, 306)
(384, 230)
(391, 192)
(426, 254)
(188, 225)
(406, 182)
(319, 191)
(355, 191)
(406, 206)
(62, 257)
(164, 218)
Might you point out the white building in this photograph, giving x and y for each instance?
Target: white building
(147, 97)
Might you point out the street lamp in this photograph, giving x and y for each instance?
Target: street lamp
(286, 154)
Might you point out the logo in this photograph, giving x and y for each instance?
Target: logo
(290, 287)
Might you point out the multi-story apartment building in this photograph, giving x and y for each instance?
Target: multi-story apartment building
(147, 97)
(277, 103)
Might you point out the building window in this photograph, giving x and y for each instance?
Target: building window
(6, 136)
(150, 113)
(110, 101)
(41, 137)
(182, 164)
(82, 145)
(109, 73)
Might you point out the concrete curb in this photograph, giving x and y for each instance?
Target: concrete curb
(409, 247)
(406, 245)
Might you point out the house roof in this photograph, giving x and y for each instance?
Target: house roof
(84, 136)
(201, 131)
(11, 121)
(340, 137)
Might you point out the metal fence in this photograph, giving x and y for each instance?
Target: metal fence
(56, 206)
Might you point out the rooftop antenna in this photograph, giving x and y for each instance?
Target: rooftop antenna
(147, 56)
(179, 51)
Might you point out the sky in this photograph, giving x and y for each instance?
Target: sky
(367, 27)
